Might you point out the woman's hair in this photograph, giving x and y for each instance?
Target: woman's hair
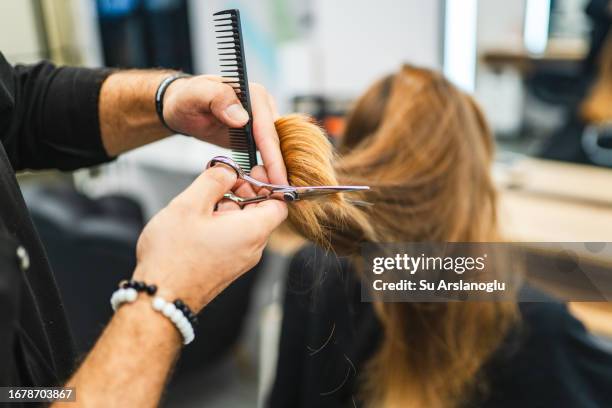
(597, 107)
(425, 149)
(310, 160)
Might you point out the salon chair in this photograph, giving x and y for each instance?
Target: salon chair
(91, 245)
(573, 141)
(562, 88)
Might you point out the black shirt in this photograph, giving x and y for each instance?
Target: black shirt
(328, 334)
(48, 119)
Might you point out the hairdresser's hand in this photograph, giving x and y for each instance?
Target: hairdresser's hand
(203, 107)
(192, 252)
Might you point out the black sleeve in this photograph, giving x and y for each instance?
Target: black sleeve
(10, 284)
(49, 116)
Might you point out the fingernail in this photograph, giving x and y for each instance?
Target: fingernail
(237, 113)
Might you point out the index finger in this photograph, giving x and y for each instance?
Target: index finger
(265, 134)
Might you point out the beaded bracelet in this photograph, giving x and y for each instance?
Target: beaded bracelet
(177, 312)
(176, 316)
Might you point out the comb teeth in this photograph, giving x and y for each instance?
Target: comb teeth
(234, 73)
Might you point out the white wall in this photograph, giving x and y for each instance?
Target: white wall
(71, 27)
(500, 27)
(18, 37)
(361, 40)
(87, 42)
(350, 44)
(500, 24)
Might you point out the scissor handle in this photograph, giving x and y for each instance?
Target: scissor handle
(228, 162)
(241, 201)
(280, 188)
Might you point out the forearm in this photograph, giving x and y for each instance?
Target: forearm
(129, 364)
(127, 110)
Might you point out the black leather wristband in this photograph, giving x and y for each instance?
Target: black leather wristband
(159, 97)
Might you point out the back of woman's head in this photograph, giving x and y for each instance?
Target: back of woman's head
(422, 146)
(425, 150)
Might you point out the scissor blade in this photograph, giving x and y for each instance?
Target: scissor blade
(316, 191)
(331, 189)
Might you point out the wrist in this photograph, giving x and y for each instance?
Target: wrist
(127, 114)
(177, 311)
(171, 289)
(145, 322)
(162, 95)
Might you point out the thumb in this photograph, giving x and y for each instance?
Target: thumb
(208, 189)
(220, 98)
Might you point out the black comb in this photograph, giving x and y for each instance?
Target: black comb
(233, 70)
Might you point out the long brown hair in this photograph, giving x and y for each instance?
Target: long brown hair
(426, 150)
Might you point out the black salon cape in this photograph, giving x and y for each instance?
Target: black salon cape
(48, 119)
(328, 334)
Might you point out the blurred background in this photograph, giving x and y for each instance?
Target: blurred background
(539, 68)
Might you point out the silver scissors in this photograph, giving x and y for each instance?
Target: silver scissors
(277, 191)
